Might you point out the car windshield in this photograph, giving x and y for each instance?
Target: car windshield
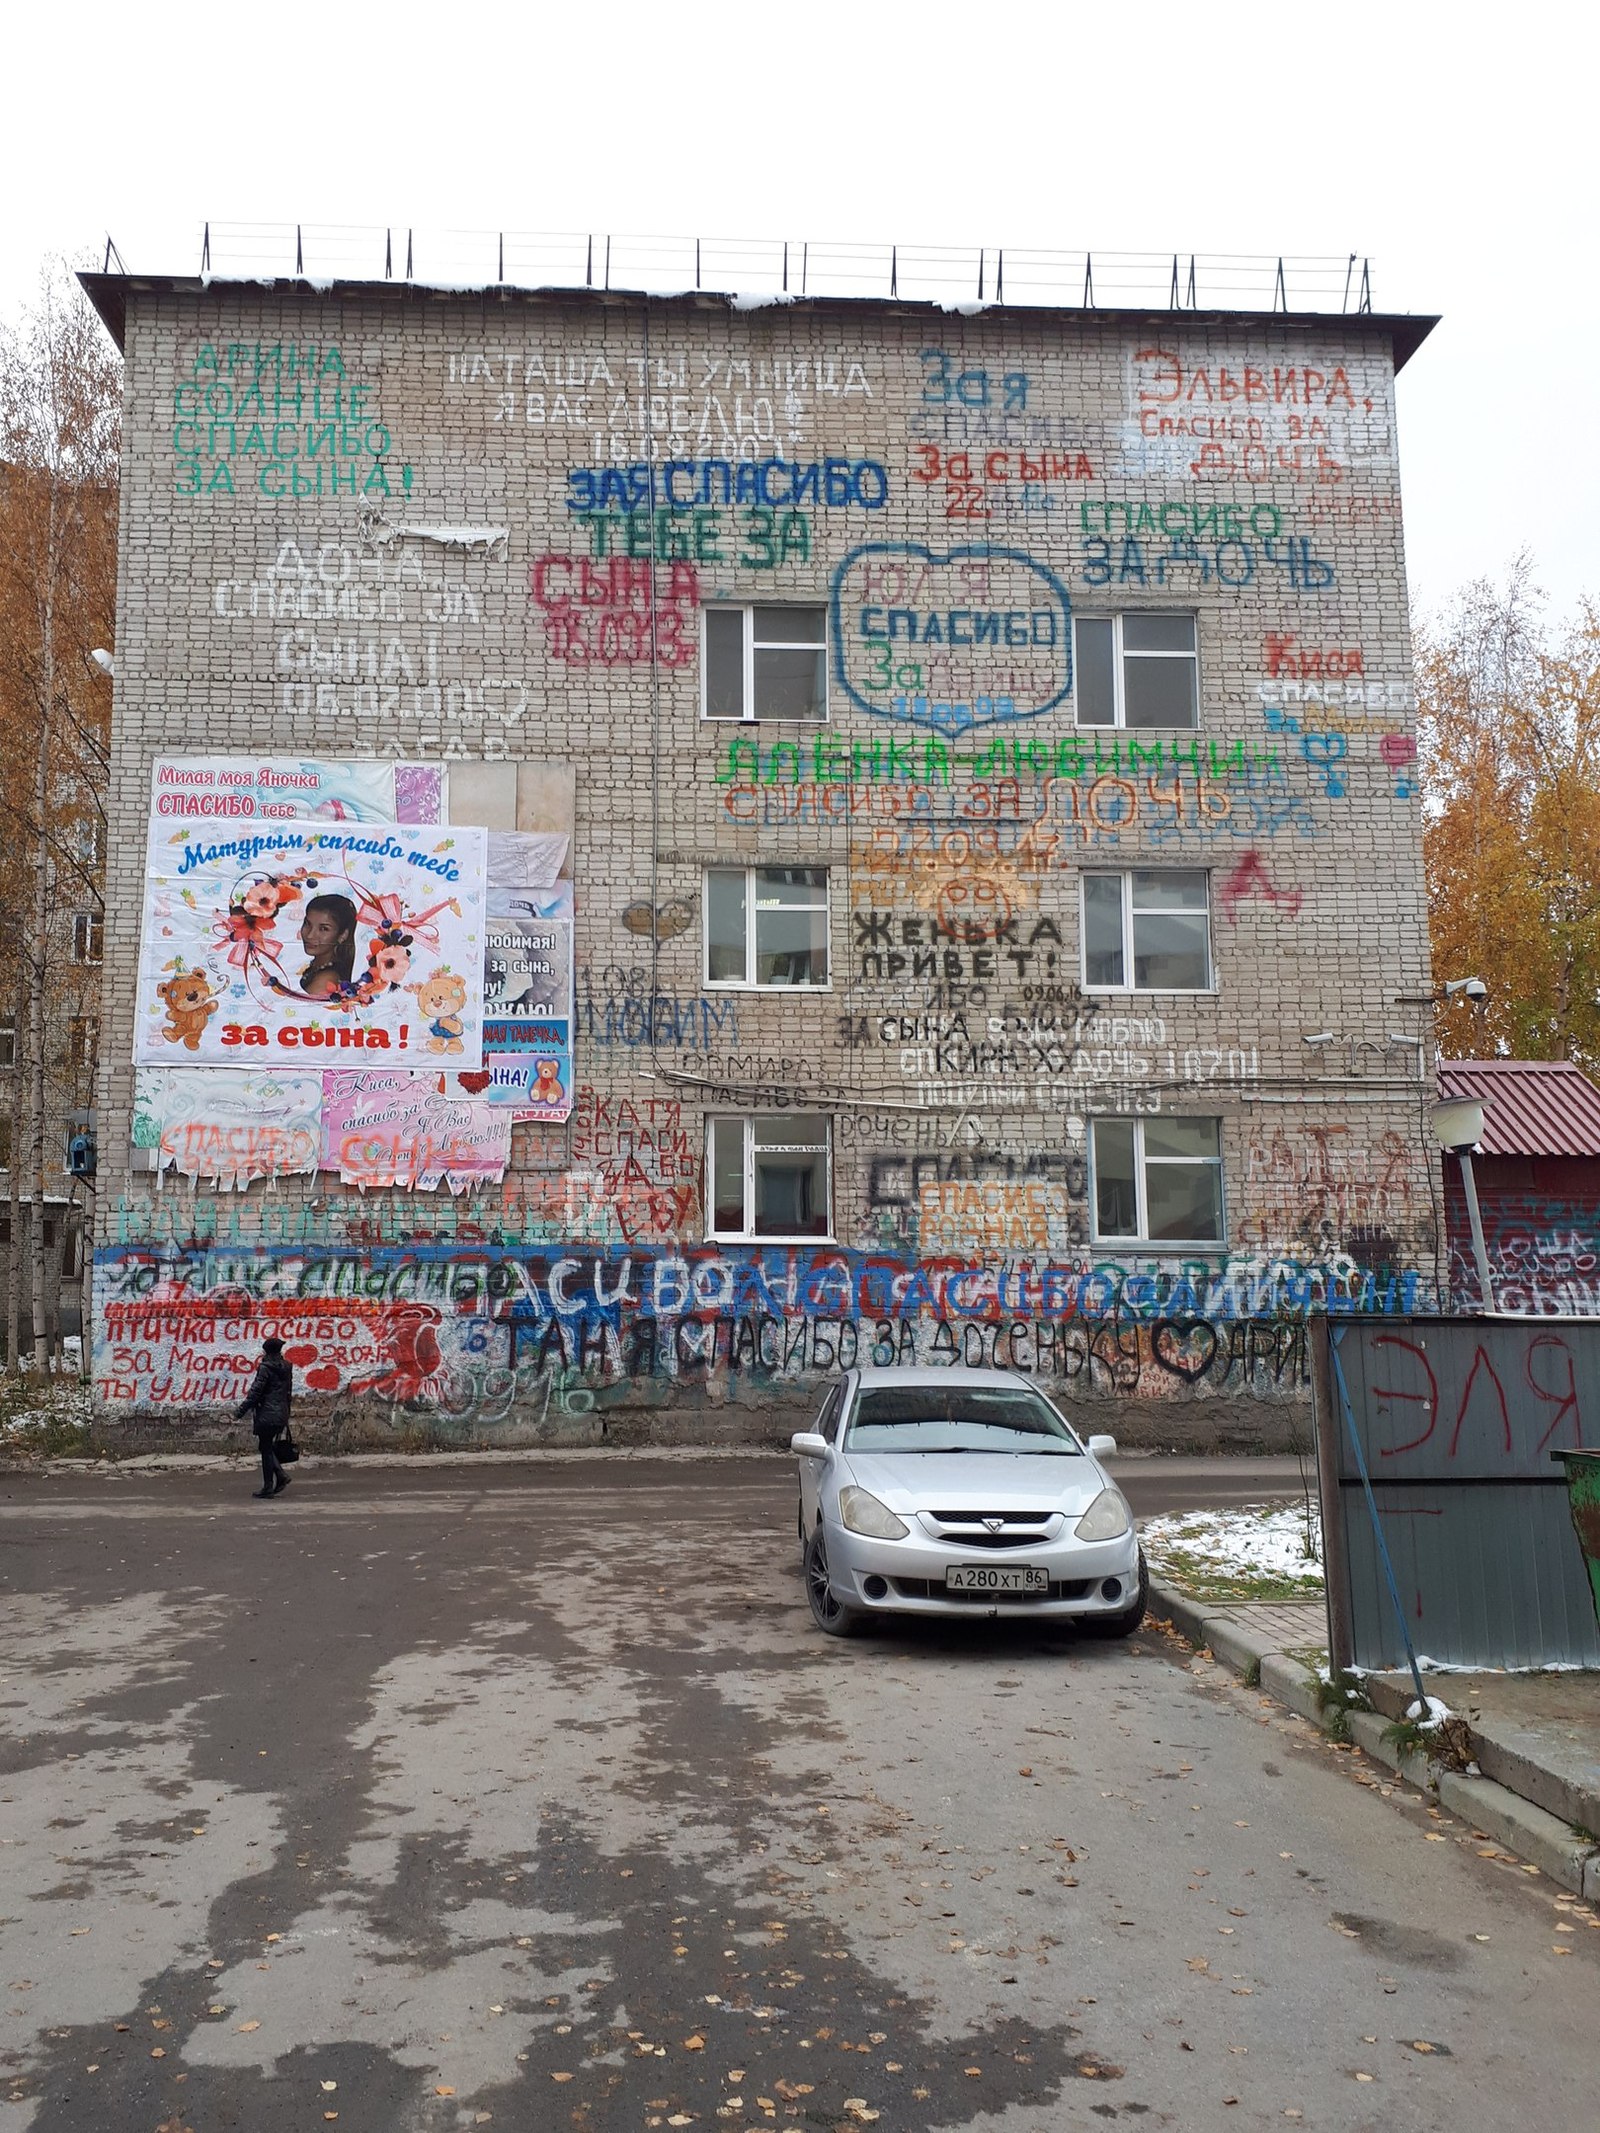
(957, 1418)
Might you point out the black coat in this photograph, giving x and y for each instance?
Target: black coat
(269, 1395)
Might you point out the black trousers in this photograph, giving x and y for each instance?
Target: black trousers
(272, 1474)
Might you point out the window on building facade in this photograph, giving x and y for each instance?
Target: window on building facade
(8, 1042)
(1138, 670)
(89, 841)
(88, 937)
(83, 1043)
(766, 926)
(765, 662)
(1147, 929)
(769, 1176)
(1157, 1180)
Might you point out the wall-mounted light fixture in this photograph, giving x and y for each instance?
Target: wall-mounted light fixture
(1458, 1128)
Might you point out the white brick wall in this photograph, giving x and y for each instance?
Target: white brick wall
(488, 407)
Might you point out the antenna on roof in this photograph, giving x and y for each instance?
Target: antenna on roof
(1280, 295)
(299, 254)
(205, 251)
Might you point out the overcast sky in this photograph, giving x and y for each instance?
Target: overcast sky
(1450, 145)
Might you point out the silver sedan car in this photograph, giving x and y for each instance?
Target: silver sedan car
(945, 1492)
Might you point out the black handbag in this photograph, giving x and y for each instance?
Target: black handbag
(285, 1450)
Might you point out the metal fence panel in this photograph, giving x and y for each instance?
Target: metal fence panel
(1457, 1419)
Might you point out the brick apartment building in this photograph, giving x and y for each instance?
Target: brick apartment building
(975, 748)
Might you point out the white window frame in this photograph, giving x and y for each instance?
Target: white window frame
(750, 716)
(88, 938)
(1145, 992)
(749, 1234)
(8, 1042)
(1143, 1239)
(750, 982)
(1119, 722)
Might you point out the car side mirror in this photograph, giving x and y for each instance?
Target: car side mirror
(809, 1445)
(1102, 1447)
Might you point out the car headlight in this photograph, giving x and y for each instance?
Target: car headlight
(861, 1512)
(1106, 1519)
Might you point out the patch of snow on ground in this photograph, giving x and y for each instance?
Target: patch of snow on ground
(1252, 1541)
(1437, 1713)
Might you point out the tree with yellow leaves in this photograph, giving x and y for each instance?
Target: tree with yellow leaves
(1509, 730)
(60, 420)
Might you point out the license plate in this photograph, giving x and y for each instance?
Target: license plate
(995, 1577)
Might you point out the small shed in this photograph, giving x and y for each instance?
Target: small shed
(1537, 1171)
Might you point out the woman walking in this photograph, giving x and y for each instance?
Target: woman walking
(268, 1401)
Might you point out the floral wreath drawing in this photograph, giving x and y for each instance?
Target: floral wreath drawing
(246, 935)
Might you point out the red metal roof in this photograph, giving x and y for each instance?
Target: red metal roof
(1530, 1106)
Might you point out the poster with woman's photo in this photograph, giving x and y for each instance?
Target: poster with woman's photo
(312, 945)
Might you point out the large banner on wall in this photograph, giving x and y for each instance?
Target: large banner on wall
(194, 788)
(302, 943)
(413, 1130)
(229, 1129)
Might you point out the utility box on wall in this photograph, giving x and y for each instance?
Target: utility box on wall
(1455, 1421)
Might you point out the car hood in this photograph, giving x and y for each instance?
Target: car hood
(978, 1481)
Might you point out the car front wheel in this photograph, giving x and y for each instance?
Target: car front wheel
(828, 1611)
(1127, 1619)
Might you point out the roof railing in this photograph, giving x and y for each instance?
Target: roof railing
(959, 277)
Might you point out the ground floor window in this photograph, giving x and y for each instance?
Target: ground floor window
(769, 1176)
(1158, 1180)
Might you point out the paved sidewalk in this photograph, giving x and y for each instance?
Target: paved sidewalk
(1534, 1785)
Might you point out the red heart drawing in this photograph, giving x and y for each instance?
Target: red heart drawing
(299, 1357)
(325, 1378)
(474, 1084)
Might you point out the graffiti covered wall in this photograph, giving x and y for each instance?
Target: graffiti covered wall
(988, 747)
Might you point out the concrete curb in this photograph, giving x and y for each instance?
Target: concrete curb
(1519, 1824)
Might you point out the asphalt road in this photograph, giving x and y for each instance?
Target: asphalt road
(564, 1817)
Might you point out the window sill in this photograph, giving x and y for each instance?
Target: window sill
(1095, 993)
(1160, 1244)
(781, 991)
(828, 1243)
(1082, 726)
(710, 718)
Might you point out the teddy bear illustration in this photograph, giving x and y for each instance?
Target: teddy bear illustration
(189, 1006)
(442, 998)
(547, 1085)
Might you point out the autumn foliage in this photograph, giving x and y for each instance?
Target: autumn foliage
(1510, 741)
